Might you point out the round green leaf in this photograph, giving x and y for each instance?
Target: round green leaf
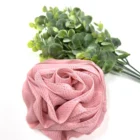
(55, 50)
(34, 49)
(49, 15)
(71, 33)
(30, 44)
(100, 26)
(44, 9)
(55, 29)
(62, 34)
(108, 48)
(116, 42)
(60, 24)
(88, 39)
(69, 24)
(32, 25)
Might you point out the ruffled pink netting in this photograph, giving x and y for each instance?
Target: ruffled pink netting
(65, 98)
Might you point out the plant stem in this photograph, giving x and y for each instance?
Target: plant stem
(127, 62)
(133, 73)
(128, 69)
(125, 72)
(133, 68)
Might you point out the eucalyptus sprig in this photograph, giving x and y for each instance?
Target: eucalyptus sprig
(70, 34)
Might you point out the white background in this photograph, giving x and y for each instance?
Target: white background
(120, 17)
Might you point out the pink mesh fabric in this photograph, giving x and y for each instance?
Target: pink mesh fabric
(65, 98)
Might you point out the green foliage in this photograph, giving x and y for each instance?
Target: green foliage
(70, 34)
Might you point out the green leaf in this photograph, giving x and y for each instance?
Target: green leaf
(50, 40)
(30, 44)
(63, 16)
(44, 9)
(100, 26)
(78, 26)
(107, 61)
(95, 23)
(92, 28)
(34, 49)
(40, 27)
(108, 48)
(49, 15)
(60, 24)
(107, 34)
(43, 58)
(51, 31)
(80, 55)
(69, 24)
(40, 20)
(55, 50)
(100, 37)
(32, 25)
(73, 18)
(88, 39)
(117, 69)
(76, 51)
(66, 40)
(45, 35)
(78, 39)
(116, 42)
(105, 43)
(55, 29)
(71, 56)
(62, 34)
(56, 10)
(71, 33)
(120, 51)
(95, 58)
(95, 34)
(51, 23)
(122, 54)
(76, 11)
(87, 19)
(38, 46)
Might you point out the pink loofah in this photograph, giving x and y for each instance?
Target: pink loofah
(65, 98)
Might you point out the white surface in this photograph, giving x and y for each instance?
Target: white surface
(121, 18)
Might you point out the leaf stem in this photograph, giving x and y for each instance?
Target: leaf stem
(128, 69)
(125, 72)
(127, 62)
(133, 68)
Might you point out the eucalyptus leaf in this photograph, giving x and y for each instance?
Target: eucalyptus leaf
(31, 24)
(108, 48)
(105, 43)
(66, 40)
(62, 34)
(60, 24)
(88, 39)
(122, 54)
(69, 24)
(55, 50)
(100, 26)
(55, 29)
(116, 42)
(44, 9)
(49, 15)
(71, 33)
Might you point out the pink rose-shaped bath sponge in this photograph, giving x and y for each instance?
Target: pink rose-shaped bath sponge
(65, 98)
